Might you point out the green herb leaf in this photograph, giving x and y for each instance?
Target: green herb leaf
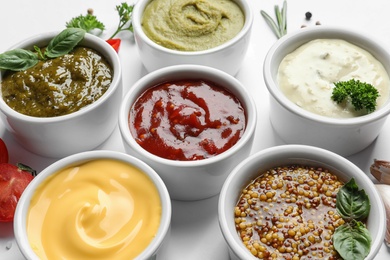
(125, 13)
(271, 23)
(64, 42)
(352, 241)
(27, 168)
(283, 23)
(279, 27)
(352, 203)
(18, 59)
(86, 22)
(360, 94)
(39, 52)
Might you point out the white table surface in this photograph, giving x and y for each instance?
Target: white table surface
(195, 231)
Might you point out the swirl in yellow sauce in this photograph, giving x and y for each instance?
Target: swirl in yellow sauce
(102, 209)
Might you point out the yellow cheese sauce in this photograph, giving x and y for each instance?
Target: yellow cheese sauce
(102, 209)
(307, 76)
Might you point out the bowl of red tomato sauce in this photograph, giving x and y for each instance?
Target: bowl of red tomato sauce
(192, 124)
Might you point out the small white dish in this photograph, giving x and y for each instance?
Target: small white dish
(296, 125)
(294, 155)
(199, 179)
(227, 57)
(23, 205)
(80, 131)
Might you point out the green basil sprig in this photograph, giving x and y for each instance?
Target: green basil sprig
(352, 203)
(18, 60)
(352, 240)
(63, 43)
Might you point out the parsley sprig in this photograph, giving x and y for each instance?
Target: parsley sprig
(360, 94)
(90, 22)
(87, 22)
(125, 12)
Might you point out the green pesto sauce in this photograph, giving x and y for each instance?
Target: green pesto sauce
(58, 86)
(192, 25)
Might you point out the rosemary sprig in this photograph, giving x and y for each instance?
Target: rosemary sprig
(280, 26)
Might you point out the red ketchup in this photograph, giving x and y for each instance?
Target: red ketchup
(187, 120)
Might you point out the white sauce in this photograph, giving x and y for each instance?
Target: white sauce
(306, 76)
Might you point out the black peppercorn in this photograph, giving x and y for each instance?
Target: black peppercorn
(308, 15)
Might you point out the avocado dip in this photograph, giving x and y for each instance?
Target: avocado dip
(59, 86)
(192, 25)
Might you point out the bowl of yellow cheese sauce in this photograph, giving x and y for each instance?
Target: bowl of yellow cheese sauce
(93, 205)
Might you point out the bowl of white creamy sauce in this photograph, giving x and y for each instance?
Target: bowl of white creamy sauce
(300, 70)
(307, 75)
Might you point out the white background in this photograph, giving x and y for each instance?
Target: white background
(194, 232)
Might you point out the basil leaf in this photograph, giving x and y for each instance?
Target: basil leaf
(18, 60)
(64, 42)
(39, 52)
(352, 241)
(352, 203)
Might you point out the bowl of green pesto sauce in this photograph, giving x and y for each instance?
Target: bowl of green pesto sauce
(66, 104)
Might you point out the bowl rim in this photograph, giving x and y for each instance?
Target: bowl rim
(93, 42)
(299, 37)
(75, 159)
(294, 151)
(251, 114)
(137, 17)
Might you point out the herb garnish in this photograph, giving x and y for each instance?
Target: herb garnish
(280, 26)
(352, 240)
(89, 22)
(20, 59)
(125, 12)
(360, 94)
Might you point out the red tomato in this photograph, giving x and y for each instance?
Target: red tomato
(3, 152)
(115, 43)
(13, 181)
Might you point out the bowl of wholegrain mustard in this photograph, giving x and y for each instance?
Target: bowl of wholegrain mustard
(288, 202)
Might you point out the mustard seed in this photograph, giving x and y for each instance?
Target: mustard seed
(285, 211)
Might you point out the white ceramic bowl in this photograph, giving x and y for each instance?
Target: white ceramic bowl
(76, 132)
(227, 57)
(287, 155)
(298, 126)
(191, 180)
(77, 159)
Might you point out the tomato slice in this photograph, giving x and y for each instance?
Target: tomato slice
(3, 152)
(115, 43)
(13, 181)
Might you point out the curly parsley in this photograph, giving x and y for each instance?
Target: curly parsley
(87, 22)
(360, 94)
(125, 13)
